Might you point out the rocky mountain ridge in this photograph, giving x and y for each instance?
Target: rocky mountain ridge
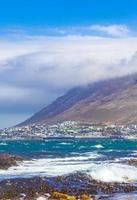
(108, 101)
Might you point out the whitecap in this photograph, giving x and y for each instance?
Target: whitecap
(65, 143)
(43, 167)
(98, 146)
(3, 143)
(105, 171)
(50, 166)
(114, 172)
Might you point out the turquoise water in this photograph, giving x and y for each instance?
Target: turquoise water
(101, 159)
(68, 147)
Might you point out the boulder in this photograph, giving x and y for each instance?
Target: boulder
(7, 160)
(133, 162)
(85, 197)
(61, 196)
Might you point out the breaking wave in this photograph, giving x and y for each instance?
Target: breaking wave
(106, 172)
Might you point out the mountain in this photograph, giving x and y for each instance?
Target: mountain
(108, 101)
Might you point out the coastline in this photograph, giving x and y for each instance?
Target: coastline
(70, 130)
(68, 138)
(71, 186)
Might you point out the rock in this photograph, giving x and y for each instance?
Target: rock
(79, 184)
(61, 196)
(70, 187)
(85, 197)
(133, 162)
(22, 196)
(7, 160)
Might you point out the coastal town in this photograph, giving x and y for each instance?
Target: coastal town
(69, 129)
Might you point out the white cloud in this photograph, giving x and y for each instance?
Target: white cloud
(34, 70)
(112, 30)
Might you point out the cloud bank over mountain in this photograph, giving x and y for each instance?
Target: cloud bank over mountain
(36, 69)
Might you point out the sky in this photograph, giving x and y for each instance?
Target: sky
(50, 46)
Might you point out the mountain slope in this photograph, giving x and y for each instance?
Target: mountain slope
(109, 101)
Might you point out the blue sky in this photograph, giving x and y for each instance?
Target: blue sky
(50, 46)
(66, 13)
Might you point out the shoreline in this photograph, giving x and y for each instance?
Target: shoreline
(69, 138)
(73, 185)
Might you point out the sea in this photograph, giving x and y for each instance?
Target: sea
(101, 159)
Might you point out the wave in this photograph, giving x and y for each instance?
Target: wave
(3, 143)
(82, 157)
(98, 146)
(65, 143)
(50, 166)
(96, 161)
(42, 167)
(114, 172)
(105, 171)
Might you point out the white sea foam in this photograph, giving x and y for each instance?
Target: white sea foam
(43, 167)
(98, 146)
(50, 166)
(114, 172)
(134, 153)
(106, 171)
(66, 143)
(124, 197)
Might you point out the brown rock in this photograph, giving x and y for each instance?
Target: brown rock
(61, 196)
(7, 160)
(133, 162)
(85, 197)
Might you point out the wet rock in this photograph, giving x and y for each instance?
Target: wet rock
(7, 160)
(133, 162)
(61, 196)
(71, 187)
(79, 184)
(31, 187)
(85, 197)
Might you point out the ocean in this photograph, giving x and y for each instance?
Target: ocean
(104, 160)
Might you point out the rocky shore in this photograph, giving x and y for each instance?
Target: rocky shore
(71, 187)
(76, 186)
